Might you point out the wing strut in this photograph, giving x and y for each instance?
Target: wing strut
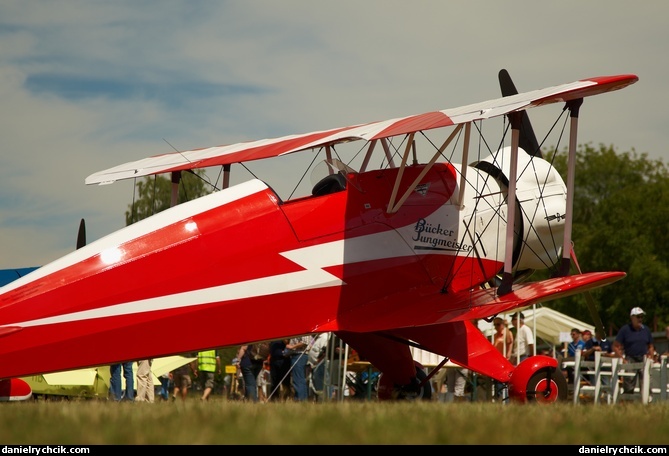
(389, 155)
(563, 269)
(393, 195)
(465, 160)
(226, 176)
(176, 177)
(507, 277)
(368, 155)
(328, 155)
(395, 206)
(570, 254)
(573, 106)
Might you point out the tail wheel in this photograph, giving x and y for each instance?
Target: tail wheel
(418, 389)
(547, 386)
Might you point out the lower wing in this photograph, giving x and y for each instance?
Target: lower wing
(468, 305)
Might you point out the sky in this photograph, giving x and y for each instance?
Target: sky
(87, 85)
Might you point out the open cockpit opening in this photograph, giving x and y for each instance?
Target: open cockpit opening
(331, 183)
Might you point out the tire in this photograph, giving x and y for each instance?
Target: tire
(538, 384)
(426, 393)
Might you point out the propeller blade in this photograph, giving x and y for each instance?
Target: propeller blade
(81, 235)
(528, 140)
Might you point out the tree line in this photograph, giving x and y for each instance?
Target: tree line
(621, 218)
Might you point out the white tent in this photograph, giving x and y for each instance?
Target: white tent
(428, 359)
(547, 324)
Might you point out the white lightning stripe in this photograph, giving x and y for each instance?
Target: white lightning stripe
(387, 244)
(313, 259)
(252, 288)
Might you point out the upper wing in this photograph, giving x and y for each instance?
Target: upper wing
(242, 152)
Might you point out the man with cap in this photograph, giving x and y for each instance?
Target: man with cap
(634, 343)
(589, 346)
(524, 343)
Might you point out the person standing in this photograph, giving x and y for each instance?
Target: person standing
(208, 364)
(503, 338)
(634, 343)
(264, 382)
(336, 369)
(115, 387)
(165, 381)
(298, 348)
(181, 379)
(279, 370)
(145, 388)
(316, 365)
(524, 343)
(250, 370)
(456, 383)
(503, 342)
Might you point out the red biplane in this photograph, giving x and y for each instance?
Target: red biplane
(388, 257)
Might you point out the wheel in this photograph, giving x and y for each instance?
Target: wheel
(418, 389)
(425, 391)
(547, 386)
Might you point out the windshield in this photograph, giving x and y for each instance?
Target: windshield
(327, 167)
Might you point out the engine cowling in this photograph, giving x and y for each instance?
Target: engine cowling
(541, 199)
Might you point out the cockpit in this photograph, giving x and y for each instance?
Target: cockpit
(330, 176)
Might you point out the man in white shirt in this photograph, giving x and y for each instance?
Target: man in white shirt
(524, 343)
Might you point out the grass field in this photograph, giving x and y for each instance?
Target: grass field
(230, 422)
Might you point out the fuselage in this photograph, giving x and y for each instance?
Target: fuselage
(212, 272)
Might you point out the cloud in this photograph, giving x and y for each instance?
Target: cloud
(89, 85)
